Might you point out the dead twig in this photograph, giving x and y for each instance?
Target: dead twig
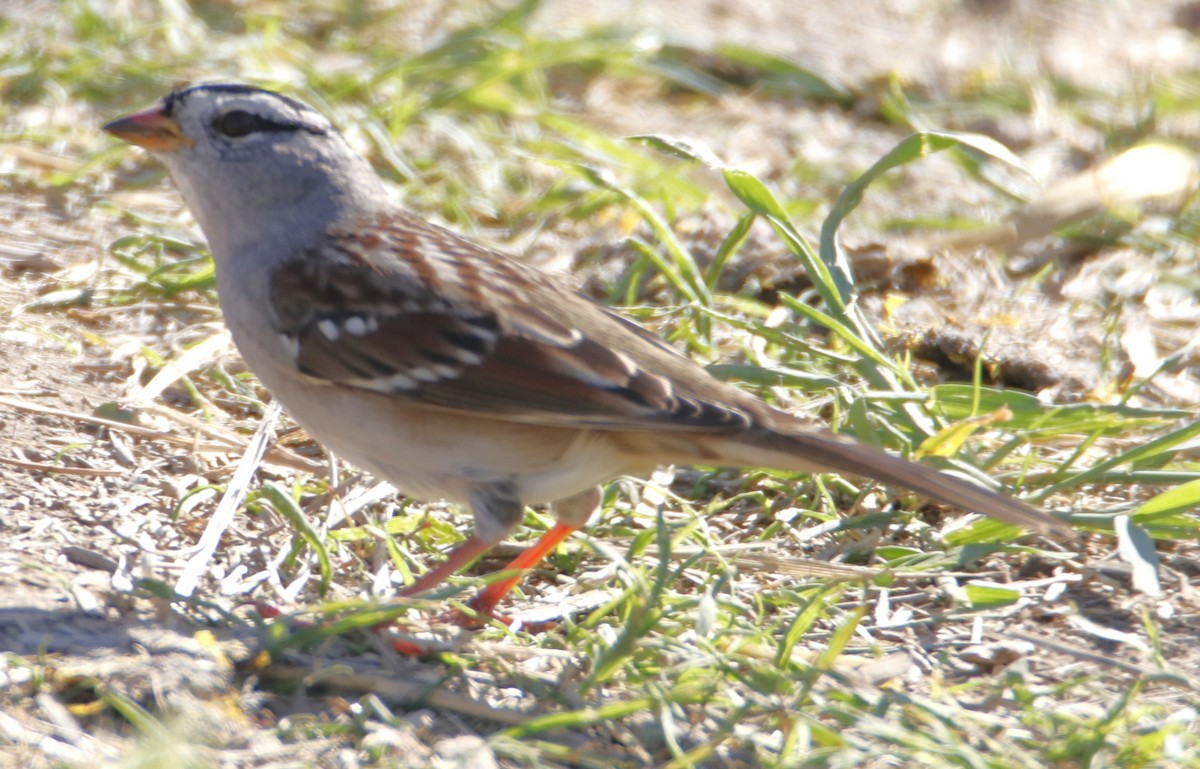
(41, 467)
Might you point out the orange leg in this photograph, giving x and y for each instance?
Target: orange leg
(573, 513)
(458, 559)
(485, 603)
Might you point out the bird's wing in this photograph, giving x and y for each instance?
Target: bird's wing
(395, 305)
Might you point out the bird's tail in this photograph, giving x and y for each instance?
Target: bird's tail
(801, 447)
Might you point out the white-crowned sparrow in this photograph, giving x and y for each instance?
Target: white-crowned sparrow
(449, 369)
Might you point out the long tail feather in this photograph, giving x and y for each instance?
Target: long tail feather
(805, 448)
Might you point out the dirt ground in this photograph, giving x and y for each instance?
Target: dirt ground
(76, 535)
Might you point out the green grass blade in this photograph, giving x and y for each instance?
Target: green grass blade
(1158, 449)
(284, 504)
(913, 148)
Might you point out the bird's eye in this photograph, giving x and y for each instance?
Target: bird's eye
(237, 123)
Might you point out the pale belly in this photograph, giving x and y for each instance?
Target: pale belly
(431, 454)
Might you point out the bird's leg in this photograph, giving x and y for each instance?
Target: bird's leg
(497, 510)
(486, 601)
(573, 513)
(457, 560)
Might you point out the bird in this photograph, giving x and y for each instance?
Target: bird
(446, 367)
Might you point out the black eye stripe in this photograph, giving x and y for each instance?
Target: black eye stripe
(238, 123)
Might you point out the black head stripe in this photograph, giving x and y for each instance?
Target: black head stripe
(179, 95)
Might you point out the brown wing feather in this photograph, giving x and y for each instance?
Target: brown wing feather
(404, 307)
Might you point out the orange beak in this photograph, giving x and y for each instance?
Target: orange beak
(152, 129)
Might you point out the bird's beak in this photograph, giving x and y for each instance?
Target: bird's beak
(152, 129)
